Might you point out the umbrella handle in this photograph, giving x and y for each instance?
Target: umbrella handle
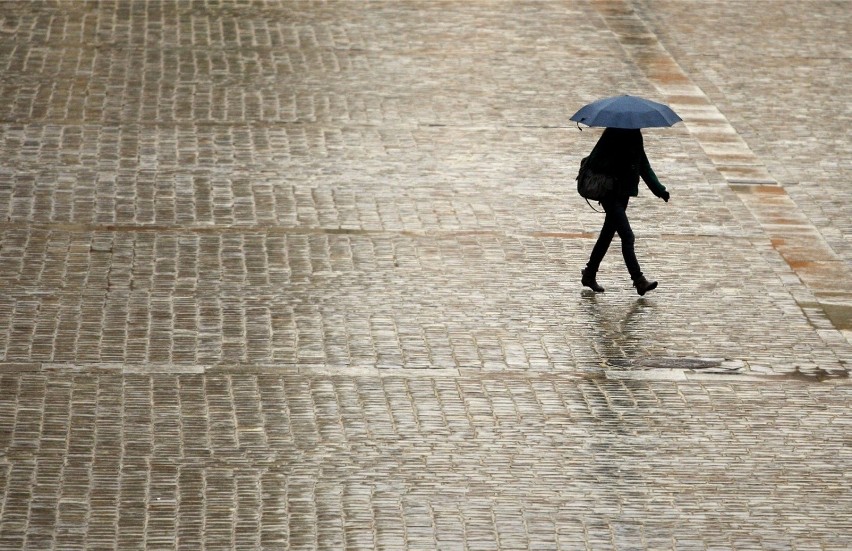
(578, 126)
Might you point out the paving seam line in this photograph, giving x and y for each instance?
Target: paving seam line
(662, 374)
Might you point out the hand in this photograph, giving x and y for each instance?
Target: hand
(665, 196)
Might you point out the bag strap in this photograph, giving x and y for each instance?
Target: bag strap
(593, 208)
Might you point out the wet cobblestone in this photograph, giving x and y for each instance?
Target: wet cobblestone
(488, 462)
(305, 275)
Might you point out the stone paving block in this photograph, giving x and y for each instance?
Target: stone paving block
(163, 318)
(304, 275)
(788, 128)
(339, 490)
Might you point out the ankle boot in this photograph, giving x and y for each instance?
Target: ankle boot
(589, 281)
(643, 285)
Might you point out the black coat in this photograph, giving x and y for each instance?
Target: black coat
(621, 153)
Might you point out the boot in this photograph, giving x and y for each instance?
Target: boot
(589, 281)
(643, 285)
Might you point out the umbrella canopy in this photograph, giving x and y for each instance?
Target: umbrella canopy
(626, 112)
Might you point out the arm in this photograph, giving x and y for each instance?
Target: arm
(651, 179)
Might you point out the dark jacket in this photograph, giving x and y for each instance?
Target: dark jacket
(621, 153)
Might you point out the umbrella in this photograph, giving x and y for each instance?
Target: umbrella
(625, 112)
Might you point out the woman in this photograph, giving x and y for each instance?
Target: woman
(621, 154)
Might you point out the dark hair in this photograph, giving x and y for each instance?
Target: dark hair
(620, 140)
(618, 150)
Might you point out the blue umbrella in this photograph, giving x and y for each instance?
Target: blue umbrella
(626, 112)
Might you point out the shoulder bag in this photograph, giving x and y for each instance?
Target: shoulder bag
(596, 186)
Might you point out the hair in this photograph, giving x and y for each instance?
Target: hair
(619, 147)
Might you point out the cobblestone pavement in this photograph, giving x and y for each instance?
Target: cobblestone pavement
(305, 275)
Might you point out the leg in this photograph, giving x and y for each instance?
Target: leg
(618, 213)
(625, 233)
(599, 250)
(616, 222)
(602, 244)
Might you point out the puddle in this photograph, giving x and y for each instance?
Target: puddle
(678, 363)
(681, 363)
(680, 368)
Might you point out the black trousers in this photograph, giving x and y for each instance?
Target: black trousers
(615, 222)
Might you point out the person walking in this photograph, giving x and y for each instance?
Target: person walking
(620, 153)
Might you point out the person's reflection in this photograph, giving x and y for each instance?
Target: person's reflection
(616, 334)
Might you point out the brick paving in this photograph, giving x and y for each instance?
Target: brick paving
(304, 275)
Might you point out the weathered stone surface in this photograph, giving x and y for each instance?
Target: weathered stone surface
(305, 275)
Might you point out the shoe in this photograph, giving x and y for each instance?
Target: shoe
(643, 285)
(589, 281)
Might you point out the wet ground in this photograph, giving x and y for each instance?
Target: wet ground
(305, 275)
